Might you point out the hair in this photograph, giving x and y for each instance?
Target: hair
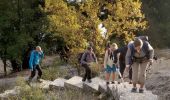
(138, 42)
(89, 48)
(114, 45)
(38, 47)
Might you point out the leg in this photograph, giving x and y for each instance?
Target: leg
(113, 77)
(130, 75)
(122, 67)
(135, 68)
(39, 71)
(87, 72)
(32, 74)
(113, 73)
(108, 72)
(142, 74)
(107, 77)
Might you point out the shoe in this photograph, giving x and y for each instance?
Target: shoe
(39, 80)
(83, 80)
(89, 80)
(107, 83)
(134, 89)
(141, 90)
(28, 82)
(113, 82)
(118, 82)
(130, 82)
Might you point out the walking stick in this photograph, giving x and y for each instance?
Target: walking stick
(121, 77)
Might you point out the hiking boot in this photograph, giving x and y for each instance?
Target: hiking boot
(141, 90)
(107, 83)
(84, 79)
(134, 89)
(39, 80)
(89, 80)
(113, 82)
(130, 82)
(28, 81)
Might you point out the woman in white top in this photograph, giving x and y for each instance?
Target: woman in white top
(109, 63)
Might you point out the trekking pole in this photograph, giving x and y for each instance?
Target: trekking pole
(121, 77)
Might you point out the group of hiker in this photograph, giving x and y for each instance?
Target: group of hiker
(132, 60)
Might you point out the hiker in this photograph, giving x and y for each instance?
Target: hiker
(139, 56)
(122, 51)
(109, 66)
(86, 59)
(34, 63)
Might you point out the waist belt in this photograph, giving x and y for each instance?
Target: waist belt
(140, 59)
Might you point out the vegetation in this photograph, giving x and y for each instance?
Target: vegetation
(157, 14)
(57, 24)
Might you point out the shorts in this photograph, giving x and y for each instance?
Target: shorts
(109, 69)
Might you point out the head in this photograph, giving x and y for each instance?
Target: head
(113, 46)
(38, 48)
(90, 49)
(138, 44)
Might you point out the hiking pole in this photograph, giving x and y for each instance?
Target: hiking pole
(121, 77)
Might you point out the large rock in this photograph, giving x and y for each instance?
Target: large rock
(123, 92)
(74, 83)
(57, 84)
(9, 93)
(94, 85)
(45, 84)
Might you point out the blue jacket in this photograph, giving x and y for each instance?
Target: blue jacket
(35, 58)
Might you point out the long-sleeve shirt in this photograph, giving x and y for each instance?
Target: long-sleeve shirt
(141, 54)
(88, 58)
(35, 58)
(122, 55)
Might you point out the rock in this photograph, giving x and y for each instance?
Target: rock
(57, 84)
(120, 92)
(9, 93)
(74, 83)
(93, 86)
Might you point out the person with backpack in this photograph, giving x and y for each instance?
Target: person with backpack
(87, 58)
(139, 55)
(122, 51)
(34, 63)
(109, 65)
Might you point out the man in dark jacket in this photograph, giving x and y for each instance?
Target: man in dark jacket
(86, 59)
(122, 51)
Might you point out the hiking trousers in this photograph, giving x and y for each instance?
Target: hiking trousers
(87, 71)
(139, 72)
(36, 67)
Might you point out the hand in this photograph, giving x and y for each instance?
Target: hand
(117, 65)
(151, 61)
(126, 72)
(127, 66)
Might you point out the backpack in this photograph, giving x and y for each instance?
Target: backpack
(145, 49)
(80, 56)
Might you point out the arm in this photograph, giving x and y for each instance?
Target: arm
(151, 51)
(83, 59)
(31, 60)
(117, 63)
(128, 57)
(41, 54)
(95, 58)
(116, 54)
(105, 58)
